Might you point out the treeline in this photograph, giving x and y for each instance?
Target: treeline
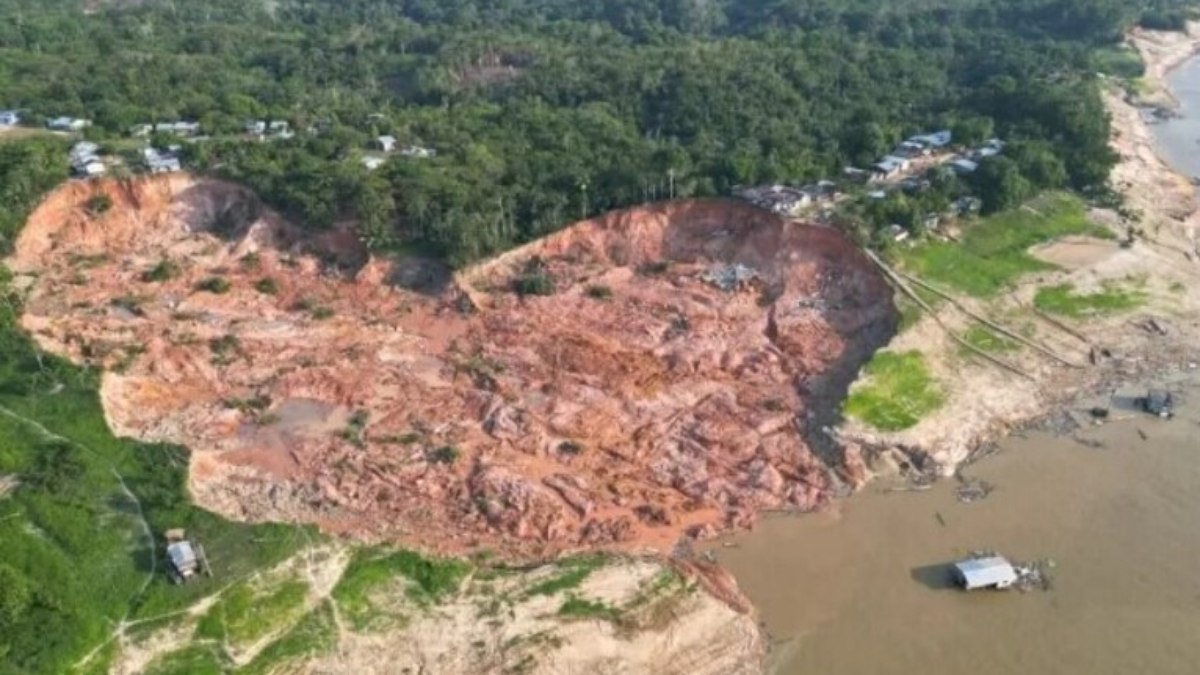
(544, 111)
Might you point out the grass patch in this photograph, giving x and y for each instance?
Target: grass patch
(244, 613)
(984, 339)
(196, 660)
(266, 286)
(316, 633)
(599, 292)
(1065, 301)
(1119, 61)
(574, 571)
(581, 608)
(897, 393)
(74, 557)
(165, 270)
(216, 285)
(429, 580)
(994, 252)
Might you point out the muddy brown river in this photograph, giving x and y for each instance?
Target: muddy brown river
(863, 589)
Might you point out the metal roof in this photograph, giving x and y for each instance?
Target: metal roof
(983, 572)
(181, 554)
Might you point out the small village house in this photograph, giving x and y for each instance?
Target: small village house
(161, 162)
(9, 118)
(417, 152)
(963, 166)
(68, 124)
(386, 143)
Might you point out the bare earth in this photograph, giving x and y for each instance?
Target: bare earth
(461, 416)
(985, 402)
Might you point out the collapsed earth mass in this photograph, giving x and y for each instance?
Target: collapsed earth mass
(655, 375)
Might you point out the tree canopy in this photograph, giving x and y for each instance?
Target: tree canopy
(543, 111)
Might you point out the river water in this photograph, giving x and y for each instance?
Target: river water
(1179, 138)
(863, 589)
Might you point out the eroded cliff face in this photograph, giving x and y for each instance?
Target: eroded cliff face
(665, 389)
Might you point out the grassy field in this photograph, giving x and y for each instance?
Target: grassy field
(993, 253)
(246, 613)
(982, 338)
(897, 392)
(1064, 300)
(82, 530)
(1120, 61)
(373, 570)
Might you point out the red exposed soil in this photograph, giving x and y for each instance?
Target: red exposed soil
(636, 405)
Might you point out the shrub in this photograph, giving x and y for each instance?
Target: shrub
(223, 345)
(599, 292)
(98, 204)
(217, 285)
(447, 454)
(534, 283)
(266, 286)
(165, 270)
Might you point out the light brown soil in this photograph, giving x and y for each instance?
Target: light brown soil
(670, 409)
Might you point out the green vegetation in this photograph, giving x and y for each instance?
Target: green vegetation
(225, 345)
(535, 280)
(98, 204)
(75, 555)
(245, 613)
(447, 454)
(1064, 300)
(321, 313)
(984, 339)
(1120, 61)
(362, 592)
(266, 286)
(897, 393)
(546, 111)
(994, 252)
(581, 608)
(599, 292)
(195, 660)
(314, 634)
(165, 270)
(574, 571)
(217, 285)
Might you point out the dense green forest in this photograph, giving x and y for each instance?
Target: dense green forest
(542, 111)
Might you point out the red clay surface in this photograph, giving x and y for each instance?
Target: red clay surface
(638, 404)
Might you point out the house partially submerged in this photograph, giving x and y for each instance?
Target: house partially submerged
(991, 572)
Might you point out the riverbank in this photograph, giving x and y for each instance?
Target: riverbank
(1157, 271)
